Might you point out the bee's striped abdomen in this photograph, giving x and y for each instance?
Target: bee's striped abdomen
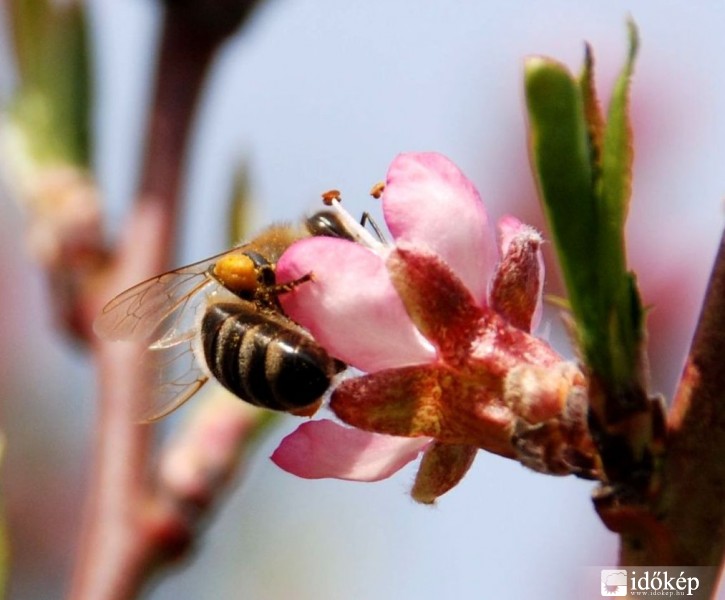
(262, 361)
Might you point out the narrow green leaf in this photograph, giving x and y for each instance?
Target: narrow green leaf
(561, 156)
(592, 111)
(70, 90)
(52, 104)
(27, 26)
(583, 166)
(614, 191)
(616, 180)
(626, 335)
(584, 169)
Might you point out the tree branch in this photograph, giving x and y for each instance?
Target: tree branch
(690, 507)
(129, 529)
(697, 435)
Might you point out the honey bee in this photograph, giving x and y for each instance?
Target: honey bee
(221, 318)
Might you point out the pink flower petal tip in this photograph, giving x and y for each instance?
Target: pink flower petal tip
(428, 200)
(324, 449)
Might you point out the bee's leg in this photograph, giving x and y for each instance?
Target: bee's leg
(267, 295)
(365, 219)
(283, 288)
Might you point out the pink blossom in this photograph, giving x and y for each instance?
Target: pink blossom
(441, 325)
(322, 449)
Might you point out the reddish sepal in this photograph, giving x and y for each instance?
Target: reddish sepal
(441, 469)
(516, 287)
(464, 407)
(437, 302)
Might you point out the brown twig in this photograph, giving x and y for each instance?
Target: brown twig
(130, 526)
(113, 553)
(697, 434)
(688, 518)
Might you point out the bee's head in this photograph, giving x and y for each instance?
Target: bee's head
(329, 224)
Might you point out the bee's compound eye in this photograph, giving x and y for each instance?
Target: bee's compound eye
(328, 224)
(237, 273)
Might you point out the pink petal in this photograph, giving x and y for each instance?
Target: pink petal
(508, 228)
(324, 449)
(350, 307)
(428, 200)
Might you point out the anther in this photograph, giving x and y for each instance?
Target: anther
(330, 195)
(377, 190)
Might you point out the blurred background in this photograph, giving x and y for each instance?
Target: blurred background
(315, 94)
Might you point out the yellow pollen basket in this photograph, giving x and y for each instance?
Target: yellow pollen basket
(237, 273)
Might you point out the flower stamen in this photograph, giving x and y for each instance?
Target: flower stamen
(330, 195)
(377, 190)
(361, 235)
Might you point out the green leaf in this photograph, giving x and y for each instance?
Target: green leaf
(615, 186)
(584, 171)
(52, 104)
(592, 110)
(627, 344)
(561, 155)
(614, 192)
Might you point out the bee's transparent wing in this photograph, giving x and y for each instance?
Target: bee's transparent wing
(170, 299)
(175, 376)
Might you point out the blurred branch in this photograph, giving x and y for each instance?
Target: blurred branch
(4, 544)
(46, 144)
(184, 57)
(132, 524)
